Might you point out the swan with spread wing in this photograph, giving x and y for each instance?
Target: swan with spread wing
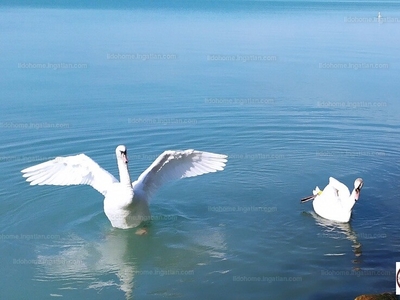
(126, 203)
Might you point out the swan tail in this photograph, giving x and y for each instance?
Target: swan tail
(308, 198)
(316, 193)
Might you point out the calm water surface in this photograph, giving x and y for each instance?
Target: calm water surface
(293, 92)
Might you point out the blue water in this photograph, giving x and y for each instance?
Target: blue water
(293, 92)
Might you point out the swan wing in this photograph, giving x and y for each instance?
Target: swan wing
(342, 191)
(70, 170)
(172, 165)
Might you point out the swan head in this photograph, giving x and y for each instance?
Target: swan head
(358, 184)
(121, 153)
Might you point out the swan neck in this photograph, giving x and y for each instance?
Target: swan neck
(353, 199)
(124, 176)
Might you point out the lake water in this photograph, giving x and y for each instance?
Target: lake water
(293, 92)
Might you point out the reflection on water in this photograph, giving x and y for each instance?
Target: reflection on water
(88, 262)
(121, 256)
(335, 230)
(303, 128)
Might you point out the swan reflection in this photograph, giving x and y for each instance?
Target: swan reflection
(95, 265)
(338, 231)
(114, 261)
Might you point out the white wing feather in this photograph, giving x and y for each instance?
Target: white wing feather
(70, 170)
(341, 190)
(173, 165)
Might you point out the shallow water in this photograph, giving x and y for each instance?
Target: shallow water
(292, 92)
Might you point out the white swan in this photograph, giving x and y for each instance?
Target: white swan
(126, 203)
(335, 202)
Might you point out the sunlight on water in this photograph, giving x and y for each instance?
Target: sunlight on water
(292, 92)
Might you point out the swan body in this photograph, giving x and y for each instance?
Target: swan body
(335, 202)
(126, 203)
